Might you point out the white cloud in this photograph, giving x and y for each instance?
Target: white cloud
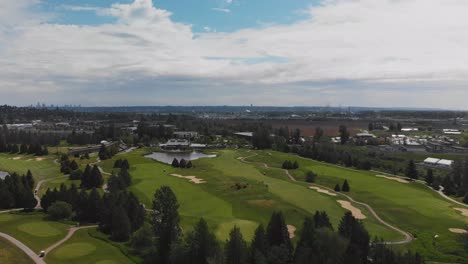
(386, 43)
(218, 9)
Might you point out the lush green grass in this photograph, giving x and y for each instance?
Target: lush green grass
(412, 207)
(41, 169)
(10, 254)
(33, 229)
(85, 248)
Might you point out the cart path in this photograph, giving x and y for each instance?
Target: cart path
(35, 257)
(38, 187)
(408, 237)
(71, 231)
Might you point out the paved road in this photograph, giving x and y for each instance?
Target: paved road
(71, 231)
(38, 187)
(34, 256)
(408, 236)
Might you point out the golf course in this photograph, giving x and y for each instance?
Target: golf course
(243, 188)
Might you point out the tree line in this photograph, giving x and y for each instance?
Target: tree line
(181, 164)
(162, 241)
(17, 191)
(33, 149)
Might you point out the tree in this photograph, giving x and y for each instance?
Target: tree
(261, 138)
(321, 220)
(411, 171)
(295, 165)
(399, 126)
(236, 248)
(30, 180)
(370, 126)
(359, 239)
(318, 134)
(189, 164)
(344, 134)
(121, 229)
(73, 165)
(93, 206)
(306, 247)
(59, 210)
(182, 163)
(141, 240)
(259, 246)
(429, 177)
(277, 234)
(345, 187)
(337, 188)
(465, 199)
(202, 245)
(310, 177)
(175, 163)
(165, 222)
(76, 175)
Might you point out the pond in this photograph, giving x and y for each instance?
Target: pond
(168, 157)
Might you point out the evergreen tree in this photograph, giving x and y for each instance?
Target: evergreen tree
(135, 212)
(345, 187)
(30, 180)
(277, 235)
(295, 165)
(359, 239)
(344, 134)
(259, 246)
(175, 163)
(202, 245)
(189, 164)
(321, 220)
(73, 165)
(429, 177)
(465, 199)
(306, 247)
(165, 222)
(337, 188)
(93, 207)
(411, 171)
(121, 229)
(236, 248)
(182, 163)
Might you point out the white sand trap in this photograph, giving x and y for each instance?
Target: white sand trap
(322, 191)
(463, 211)
(355, 211)
(16, 158)
(291, 231)
(40, 159)
(393, 178)
(193, 179)
(458, 231)
(29, 159)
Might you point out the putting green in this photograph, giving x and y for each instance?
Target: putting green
(39, 229)
(75, 250)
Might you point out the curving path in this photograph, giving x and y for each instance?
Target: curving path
(408, 237)
(38, 187)
(24, 248)
(71, 231)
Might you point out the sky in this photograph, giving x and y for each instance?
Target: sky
(377, 53)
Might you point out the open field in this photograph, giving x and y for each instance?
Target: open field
(41, 167)
(410, 206)
(10, 254)
(33, 229)
(84, 247)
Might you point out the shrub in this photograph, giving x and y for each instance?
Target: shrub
(59, 210)
(310, 177)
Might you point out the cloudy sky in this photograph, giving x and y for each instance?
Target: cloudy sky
(405, 53)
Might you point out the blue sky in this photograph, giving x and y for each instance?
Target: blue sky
(219, 15)
(384, 53)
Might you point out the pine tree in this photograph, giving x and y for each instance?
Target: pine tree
(165, 222)
(189, 164)
(337, 188)
(121, 229)
(465, 199)
(202, 244)
(259, 246)
(345, 187)
(30, 180)
(411, 171)
(175, 163)
(306, 246)
(94, 206)
(321, 220)
(277, 234)
(96, 179)
(236, 248)
(295, 165)
(73, 165)
(182, 163)
(429, 177)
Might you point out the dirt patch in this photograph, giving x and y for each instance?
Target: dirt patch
(320, 190)
(193, 179)
(263, 203)
(40, 159)
(458, 231)
(16, 158)
(463, 211)
(393, 178)
(291, 231)
(355, 211)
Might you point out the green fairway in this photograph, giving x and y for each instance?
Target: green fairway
(412, 206)
(10, 254)
(41, 167)
(33, 229)
(85, 248)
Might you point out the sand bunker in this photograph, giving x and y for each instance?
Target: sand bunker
(458, 231)
(393, 178)
(291, 231)
(40, 159)
(463, 211)
(322, 191)
(193, 179)
(355, 211)
(16, 158)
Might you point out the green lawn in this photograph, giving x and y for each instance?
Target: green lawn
(84, 247)
(412, 207)
(10, 254)
(33, 229)
(41, 167)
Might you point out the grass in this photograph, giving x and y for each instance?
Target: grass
(83, 247)
(412, 207)
(41, 169)
(33, 229)
(10, 254)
